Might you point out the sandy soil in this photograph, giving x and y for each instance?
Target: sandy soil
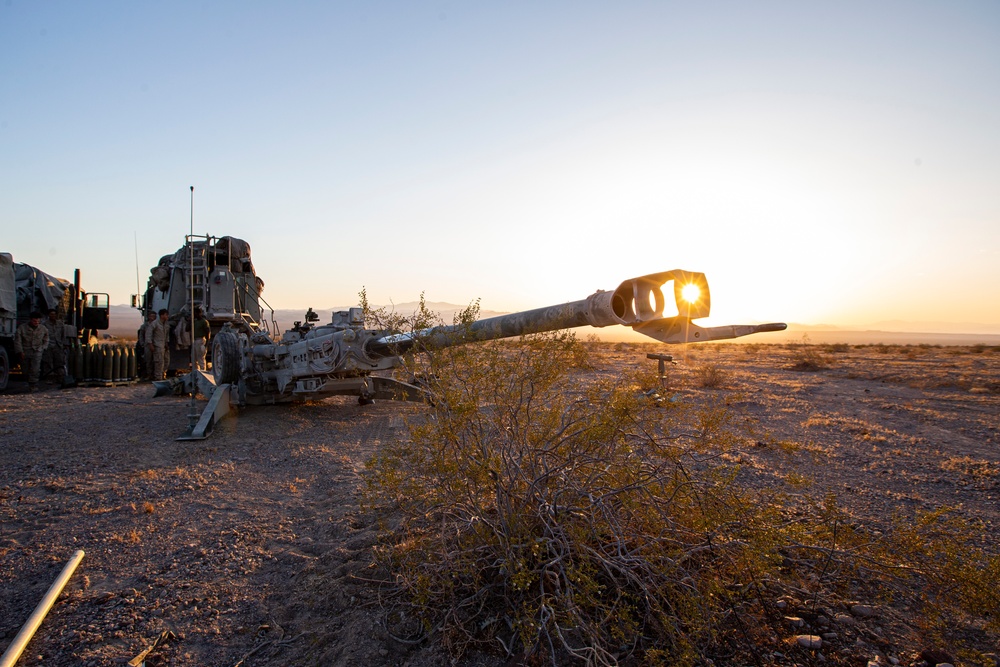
(252, 548)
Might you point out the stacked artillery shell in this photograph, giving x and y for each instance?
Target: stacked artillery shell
(86, 375)
(124, 351)
(103, 364)
(116, 364)
(108, 367)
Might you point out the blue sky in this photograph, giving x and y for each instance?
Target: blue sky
(821, 162)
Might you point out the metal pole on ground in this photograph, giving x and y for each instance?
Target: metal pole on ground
(20, 642)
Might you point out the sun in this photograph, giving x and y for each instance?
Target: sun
(691, 293)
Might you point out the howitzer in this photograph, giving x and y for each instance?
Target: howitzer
(345, 357)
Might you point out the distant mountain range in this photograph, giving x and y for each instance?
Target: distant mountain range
(125, 321)
(798, 333)
(901, 326)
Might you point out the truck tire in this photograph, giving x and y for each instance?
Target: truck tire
(4, 368)
(225, 358)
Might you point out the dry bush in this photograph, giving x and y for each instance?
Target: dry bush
(806, 356)
(561, 522)
(711, 376)
(931, 561)
(564, 522)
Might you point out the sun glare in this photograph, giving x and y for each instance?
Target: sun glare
(690, 293)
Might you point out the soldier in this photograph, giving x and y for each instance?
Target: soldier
(30, 342)
(157, 340)
(145, 343)
(201, 331)
(55, 353)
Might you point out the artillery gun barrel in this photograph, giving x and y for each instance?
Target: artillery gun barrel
(638, 303)
(551, 318)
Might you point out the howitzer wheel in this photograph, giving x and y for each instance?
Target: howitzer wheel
(225, 358)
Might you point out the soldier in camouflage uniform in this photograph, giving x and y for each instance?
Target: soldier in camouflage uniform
(55, 353)
(201, 333)
(157, 337)
(30, 342)
(146, 344)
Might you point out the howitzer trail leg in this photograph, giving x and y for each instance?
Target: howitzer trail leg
(216, 410)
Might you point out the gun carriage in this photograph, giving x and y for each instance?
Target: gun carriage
(345, 357)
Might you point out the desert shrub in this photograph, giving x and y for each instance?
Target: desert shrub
(711, 376)
(806, 356)
(563, 521)
(930, 561)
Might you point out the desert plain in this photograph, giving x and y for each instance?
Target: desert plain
(253, 547)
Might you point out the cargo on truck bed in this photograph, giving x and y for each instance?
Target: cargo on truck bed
(25, 289)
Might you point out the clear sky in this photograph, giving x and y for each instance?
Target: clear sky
(831, 162)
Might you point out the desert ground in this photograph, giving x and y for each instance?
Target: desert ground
(253, 547)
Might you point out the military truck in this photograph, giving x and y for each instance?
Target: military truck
(217, 275)
(24, 289)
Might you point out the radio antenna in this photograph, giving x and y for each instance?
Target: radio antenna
(138, 290)
(193, 409)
